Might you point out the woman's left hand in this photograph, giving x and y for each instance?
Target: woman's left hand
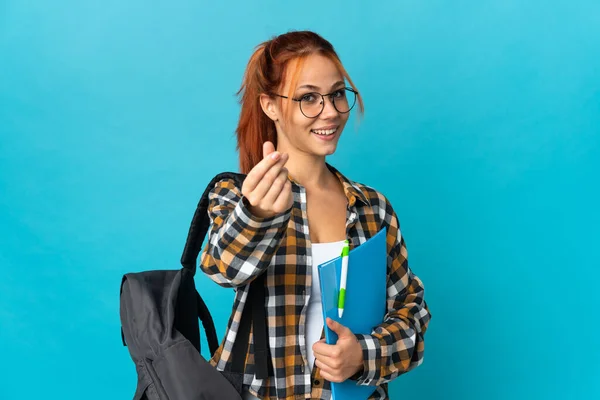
(340, 361)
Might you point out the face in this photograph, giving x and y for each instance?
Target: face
(296, 132)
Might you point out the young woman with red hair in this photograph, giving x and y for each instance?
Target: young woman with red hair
(293, 212)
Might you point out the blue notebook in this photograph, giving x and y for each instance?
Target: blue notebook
(365, 303)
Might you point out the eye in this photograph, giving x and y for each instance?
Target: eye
(338, 94)
(309, 98)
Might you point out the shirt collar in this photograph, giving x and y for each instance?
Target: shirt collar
(351, 189)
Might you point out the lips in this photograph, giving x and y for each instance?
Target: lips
(325, 131)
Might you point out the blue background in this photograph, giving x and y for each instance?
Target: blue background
(482, 126)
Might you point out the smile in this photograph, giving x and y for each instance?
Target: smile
(324, 132)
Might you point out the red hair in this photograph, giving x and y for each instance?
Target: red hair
(265, 73)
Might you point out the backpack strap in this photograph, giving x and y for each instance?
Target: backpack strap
(262, 355)
(208, 324)
(255, 303)
(254, 309)
(201, 222)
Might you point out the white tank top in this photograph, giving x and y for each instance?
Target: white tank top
(321, 252)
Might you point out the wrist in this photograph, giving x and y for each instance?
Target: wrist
(256, 211)
(260, 213)
(359, 359)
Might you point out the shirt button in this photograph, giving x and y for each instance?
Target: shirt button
(316, 382)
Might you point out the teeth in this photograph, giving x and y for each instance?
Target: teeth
(325, 132)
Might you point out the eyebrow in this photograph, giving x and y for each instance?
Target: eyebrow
(313, 87)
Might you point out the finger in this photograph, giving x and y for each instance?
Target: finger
(331, 377)
(338, 328)
(324, 367)
(285, 199)
(268, 178)
(268, 148)
(327, 363)
(258, 172)
(276, 187)
(326, 350)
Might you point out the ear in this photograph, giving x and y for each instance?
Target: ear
(269, 106)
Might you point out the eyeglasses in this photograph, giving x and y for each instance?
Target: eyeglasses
(312, 104)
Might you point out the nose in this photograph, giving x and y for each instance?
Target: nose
(329, 110)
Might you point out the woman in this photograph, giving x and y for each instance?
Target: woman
(294, 212)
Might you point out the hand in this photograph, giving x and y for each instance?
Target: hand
(340, 361)
(266, 186)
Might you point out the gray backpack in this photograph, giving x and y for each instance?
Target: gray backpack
(159, 317)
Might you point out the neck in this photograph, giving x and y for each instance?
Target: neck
(309, 171)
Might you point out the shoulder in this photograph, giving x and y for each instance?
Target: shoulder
(226, 184)
(374, 197)
(375, 200)
(379, 208)
(225, 190)
(366, 196)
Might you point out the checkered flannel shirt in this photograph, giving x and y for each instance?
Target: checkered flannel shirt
(242, 246)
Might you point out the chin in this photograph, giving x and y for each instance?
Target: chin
(328, 152)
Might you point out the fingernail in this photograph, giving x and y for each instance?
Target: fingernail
(275, 155)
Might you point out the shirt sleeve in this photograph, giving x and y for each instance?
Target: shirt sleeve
(397, 345)
(240, 245)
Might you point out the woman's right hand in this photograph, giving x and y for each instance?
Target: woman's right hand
(267, 187)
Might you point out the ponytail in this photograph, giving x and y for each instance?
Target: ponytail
(254, 127)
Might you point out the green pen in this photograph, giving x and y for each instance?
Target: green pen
(344, 277)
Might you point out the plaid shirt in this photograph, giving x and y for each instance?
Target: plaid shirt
(242, 246)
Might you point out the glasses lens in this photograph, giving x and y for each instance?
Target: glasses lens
(344, 100)
(311, 104)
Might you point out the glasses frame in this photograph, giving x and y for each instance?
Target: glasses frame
(323, 101)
